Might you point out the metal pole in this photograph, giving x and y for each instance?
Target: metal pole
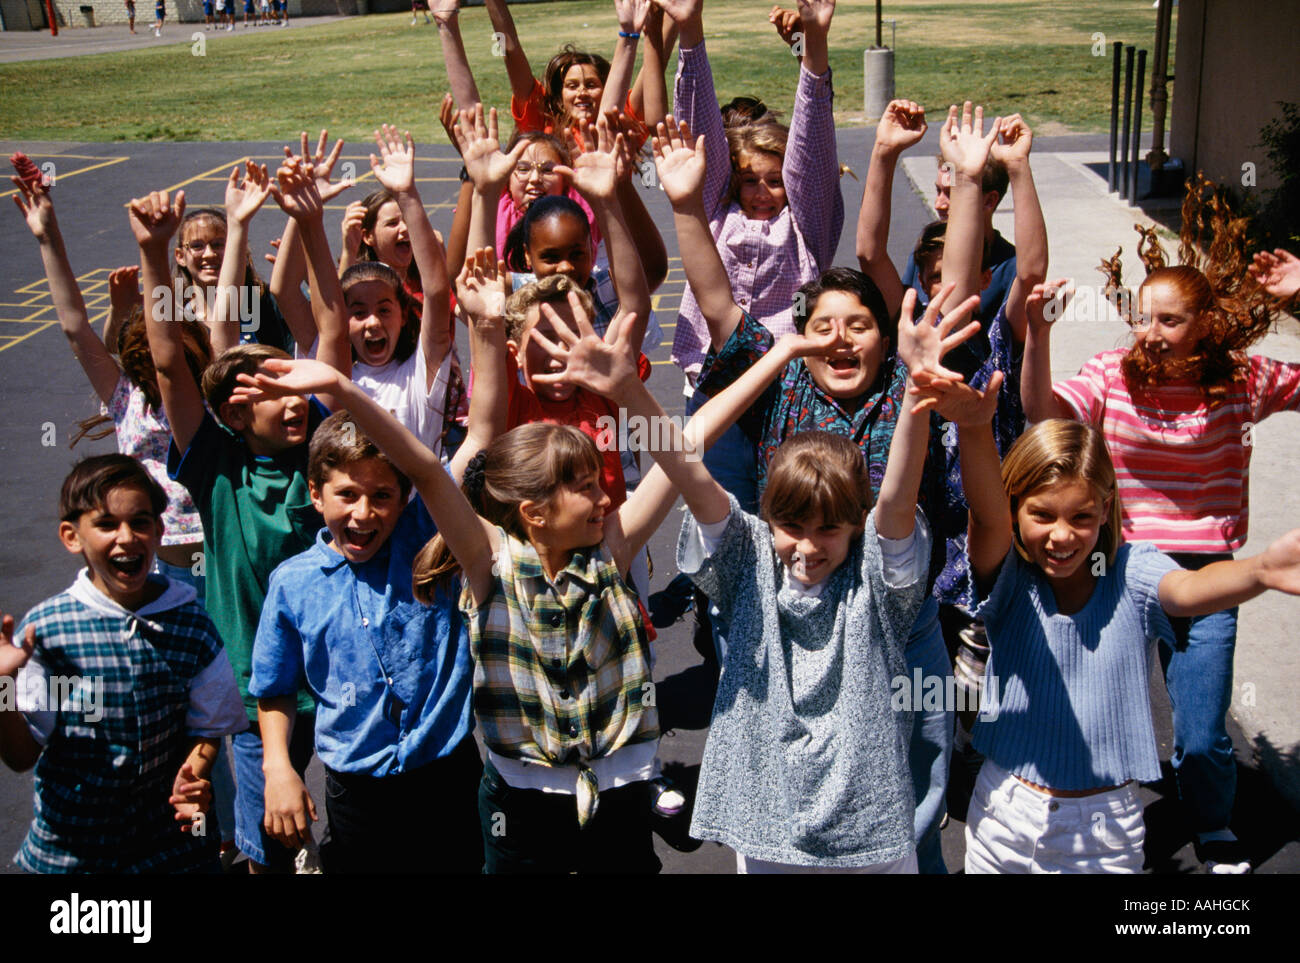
(1114, 119)
(1159, 86)
(1128, 116)
(1137, 125)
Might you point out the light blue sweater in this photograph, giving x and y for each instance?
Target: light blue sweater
(1075, 705)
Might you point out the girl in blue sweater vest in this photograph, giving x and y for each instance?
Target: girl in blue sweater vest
(1071, 613)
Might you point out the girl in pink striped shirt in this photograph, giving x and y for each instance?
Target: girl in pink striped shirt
(1178, 411)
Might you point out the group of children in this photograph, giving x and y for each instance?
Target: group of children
(397, 547)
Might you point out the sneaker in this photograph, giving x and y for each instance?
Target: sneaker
(307, 862)
(667, 798)
(157, 32)
(1224, 857)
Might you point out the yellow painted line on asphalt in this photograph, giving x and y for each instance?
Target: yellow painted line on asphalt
(60, 175)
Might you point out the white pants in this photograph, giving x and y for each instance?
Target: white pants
(754, 867)
(1012, 828)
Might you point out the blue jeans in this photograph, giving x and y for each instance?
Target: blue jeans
(250, 790)
(930, 750)
(1198, 675)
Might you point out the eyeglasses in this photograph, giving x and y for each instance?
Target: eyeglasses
(525, 170)
(198, 247)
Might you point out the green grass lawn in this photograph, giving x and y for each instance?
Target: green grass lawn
(354, 74)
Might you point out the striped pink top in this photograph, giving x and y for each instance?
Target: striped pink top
(1183, 468)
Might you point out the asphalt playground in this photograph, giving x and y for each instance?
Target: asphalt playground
(43, 394)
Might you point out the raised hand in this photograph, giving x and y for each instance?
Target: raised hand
(1278, 272)
(37, 208)
(812, 344)
(816, 13)
(481, 286)
(352, 220)
(295, 190)
(599, 365)
(155, 218)
(901, 125)
(597, 171)
(447, 117)
(281, 378)
(190, 796)
(963, 142)
(323, 164)
(679, 164)
(244, 198)
(1013, 142)
(681, 10)
(14, 657)
(632, 14)
(787, 23)
(1042, 307)
(397, 173)
(444, 12)
(124, 290)
(922, 345)
(957, 401)
(480, 149)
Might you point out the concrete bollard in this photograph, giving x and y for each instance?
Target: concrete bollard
(878, 79)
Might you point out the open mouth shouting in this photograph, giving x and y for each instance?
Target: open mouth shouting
(357, 539)
(128, 566)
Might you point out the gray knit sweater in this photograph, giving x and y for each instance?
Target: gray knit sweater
(806, 761)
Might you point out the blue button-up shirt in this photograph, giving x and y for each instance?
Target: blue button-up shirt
(391, 675)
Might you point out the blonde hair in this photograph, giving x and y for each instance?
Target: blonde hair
(817, 472)
(548, 290)
(754, 138)
(527, 464)
(1060, 450)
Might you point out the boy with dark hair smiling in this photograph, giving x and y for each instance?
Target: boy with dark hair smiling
(391, 675)
(247, 473)
(124, 744)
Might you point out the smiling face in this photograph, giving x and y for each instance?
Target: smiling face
(810, 549)
(575, 514)
(1166, 329)
(533, 359)
(390, 239)
(361, 504)
(375, 320)
(202, 246)
(118, 541)
(1059, 527)
(581, 91)
(761, 190)
(534, 175)
(560, 245)
(270, 426)
(851, 368)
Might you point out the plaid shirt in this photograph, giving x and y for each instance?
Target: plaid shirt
(794, 403)
(1005, 355)
(102, 785)
(561, 670)
(766, 261)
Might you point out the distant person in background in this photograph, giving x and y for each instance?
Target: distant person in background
(130, 14)
(420, 5)
(159, 15)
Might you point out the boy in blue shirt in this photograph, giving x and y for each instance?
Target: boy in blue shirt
(391, 675)
(123, 693)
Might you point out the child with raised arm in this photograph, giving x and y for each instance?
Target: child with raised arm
(246, 473)
(392, 675)
(774, 213)
(855, 388)
(123, 693)
(1073, 614)
(1177, 409)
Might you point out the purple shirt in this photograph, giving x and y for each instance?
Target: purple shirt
(766, 261)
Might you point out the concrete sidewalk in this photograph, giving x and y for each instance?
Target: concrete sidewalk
(1086, 223)
(111, 38)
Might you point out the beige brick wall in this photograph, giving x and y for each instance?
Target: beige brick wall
(187, 11)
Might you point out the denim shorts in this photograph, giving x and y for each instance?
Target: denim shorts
(250, 785)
